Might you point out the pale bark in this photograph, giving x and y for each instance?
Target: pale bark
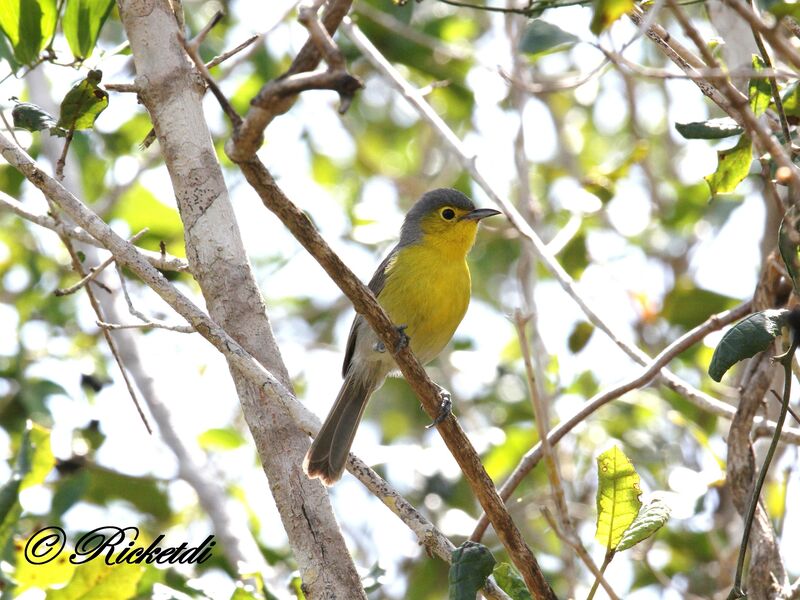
(172, 93)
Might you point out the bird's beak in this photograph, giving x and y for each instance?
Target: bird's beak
(478, 214)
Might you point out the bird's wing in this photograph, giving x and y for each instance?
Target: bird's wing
(376, 285)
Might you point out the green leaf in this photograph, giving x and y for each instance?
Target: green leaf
(606, 12)
(510, 581)
(34, 462)
(652, 517)
(789, 245)
(145, 493)
(82, 22)
(785, 9)
(759, 90)
(541, 37)
(83, 103)
(580, 336)
(28, 25)
(733, 165)
(31, 117)
(747, 338)
(687, 305)
(41, 457)
(139, 208)
(791, 99)
(713, 129)
(617, 496)
(95, 580)
(220, 439)
(472, 563)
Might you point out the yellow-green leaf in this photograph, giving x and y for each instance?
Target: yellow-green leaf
(733, 165)
(221, 439)
(43, 576)
(82, 22)
(83, 103)
(42, 460)
(617, 496)
(95, 580)
(28, 25)
(759, 90)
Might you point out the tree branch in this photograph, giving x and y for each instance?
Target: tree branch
(163, 262)
(365, 304)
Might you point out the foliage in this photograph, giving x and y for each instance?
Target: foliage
(616, 187)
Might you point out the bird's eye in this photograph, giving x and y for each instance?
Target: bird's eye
(448, 214)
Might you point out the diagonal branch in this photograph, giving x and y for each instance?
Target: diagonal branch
(163, 262)
(365, 304)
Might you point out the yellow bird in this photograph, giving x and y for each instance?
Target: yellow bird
(424, 287)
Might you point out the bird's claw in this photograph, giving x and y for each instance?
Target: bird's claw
(445, 408)
(401, 343)
(404, 339)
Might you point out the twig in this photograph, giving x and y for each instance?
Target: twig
(62, 160)
(502, 9)
(146, 322)
(773, 84)
(572, 540)
(95, 271)
(309, 56)
(217, 60)
(785, 360)
(95, 304)
(555, 85)
(698, 74)
(192, 49)
(365, 304)
(542, 425)
(163, 262)
(122, 88)
(146, 325)
(9, 128)
(683, 58)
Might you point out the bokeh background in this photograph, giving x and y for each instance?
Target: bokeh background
(603, 176)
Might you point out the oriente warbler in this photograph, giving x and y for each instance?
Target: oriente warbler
(424, 287)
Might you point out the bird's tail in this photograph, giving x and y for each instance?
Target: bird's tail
(328, 453)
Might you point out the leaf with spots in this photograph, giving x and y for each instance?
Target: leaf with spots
(83, 103)
(617, 496)
(733, 165)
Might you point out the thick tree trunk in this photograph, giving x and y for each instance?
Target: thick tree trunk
(172, 93)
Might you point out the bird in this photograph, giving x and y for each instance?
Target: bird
(424, 286)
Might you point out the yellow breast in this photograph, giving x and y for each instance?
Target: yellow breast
(427, 290)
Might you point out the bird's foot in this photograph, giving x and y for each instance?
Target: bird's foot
(404, 339)
(445, 407)
(401, 343)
